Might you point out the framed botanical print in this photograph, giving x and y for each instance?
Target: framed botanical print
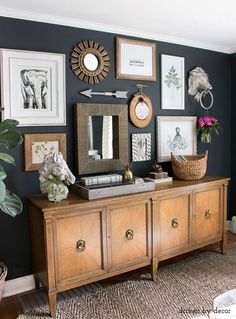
(39, 146)
(135, 60)
(33, 87)
(176, 134)
(172, 82)
(141, 147)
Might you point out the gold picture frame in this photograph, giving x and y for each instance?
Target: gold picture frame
(135, 60)
(38, 146)
(90, 62)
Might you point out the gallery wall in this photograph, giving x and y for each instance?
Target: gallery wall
(15, 243)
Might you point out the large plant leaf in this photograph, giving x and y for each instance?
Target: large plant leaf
(3, 174)
(10, 139)
(8, 125)
(7, 158)
(12, 204)
(2, 191)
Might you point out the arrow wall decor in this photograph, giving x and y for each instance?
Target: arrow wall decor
(117, 94)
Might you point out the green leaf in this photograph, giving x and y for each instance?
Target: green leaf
(12, 204)
(10, 139)
(8, 124)
(3, 174)
(7, 158)
(2, 191)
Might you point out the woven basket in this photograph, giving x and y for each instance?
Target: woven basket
(193, 168)
(3, 273)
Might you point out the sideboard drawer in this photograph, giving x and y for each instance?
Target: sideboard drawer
(207, 215)
(79, 245)
(129, 234)
(173, 223)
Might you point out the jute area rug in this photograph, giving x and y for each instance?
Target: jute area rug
(185, 289)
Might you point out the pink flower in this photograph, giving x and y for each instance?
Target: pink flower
(207, 121)
(201, 121)
(205, 128)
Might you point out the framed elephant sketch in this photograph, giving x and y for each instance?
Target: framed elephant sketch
(33, 87)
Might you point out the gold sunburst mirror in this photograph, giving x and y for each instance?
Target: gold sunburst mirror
(90, 62)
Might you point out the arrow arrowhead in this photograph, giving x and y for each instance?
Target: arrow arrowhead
(87, 93)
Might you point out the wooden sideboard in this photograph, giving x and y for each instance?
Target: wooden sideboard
(80, 241)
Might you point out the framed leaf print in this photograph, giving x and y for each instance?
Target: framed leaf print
(172, 82)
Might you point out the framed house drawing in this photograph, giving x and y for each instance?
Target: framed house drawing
(172, 82)
(176, 134)
(135, 60)
(33, 87)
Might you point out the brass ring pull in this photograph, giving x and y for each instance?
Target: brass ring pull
(129, 234)
(207, 214)
(174, 223)
(80, 245)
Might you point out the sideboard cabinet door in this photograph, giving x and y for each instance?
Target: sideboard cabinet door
(208, 215)
(129, 234)
(173, 224)
(80, 241)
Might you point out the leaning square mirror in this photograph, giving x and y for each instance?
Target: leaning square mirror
(101, 137)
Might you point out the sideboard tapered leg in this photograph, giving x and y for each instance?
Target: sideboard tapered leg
(154, 267)
(52, 297)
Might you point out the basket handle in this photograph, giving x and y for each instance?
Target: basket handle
(206, 153)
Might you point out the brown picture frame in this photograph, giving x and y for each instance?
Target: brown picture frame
(135, 60)
(29, 139)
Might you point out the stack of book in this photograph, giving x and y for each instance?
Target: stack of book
(101, 179)
(157, 178)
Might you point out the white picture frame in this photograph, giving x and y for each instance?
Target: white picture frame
(33, 87)
(176, 134)
(141, 147)
(172, 82)
(135, 60)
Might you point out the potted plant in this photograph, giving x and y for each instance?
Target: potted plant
(10, 203)
(207, 126)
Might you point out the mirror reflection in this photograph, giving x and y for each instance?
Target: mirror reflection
(101, 132)
(90, 62)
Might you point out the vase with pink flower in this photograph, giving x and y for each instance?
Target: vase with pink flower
(207, 126)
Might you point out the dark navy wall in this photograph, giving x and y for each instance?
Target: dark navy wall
(15, 244)
(233, 137)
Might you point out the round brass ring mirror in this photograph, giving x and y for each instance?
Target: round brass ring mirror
(90, 61)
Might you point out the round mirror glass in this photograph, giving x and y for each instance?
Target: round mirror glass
(90, 62)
